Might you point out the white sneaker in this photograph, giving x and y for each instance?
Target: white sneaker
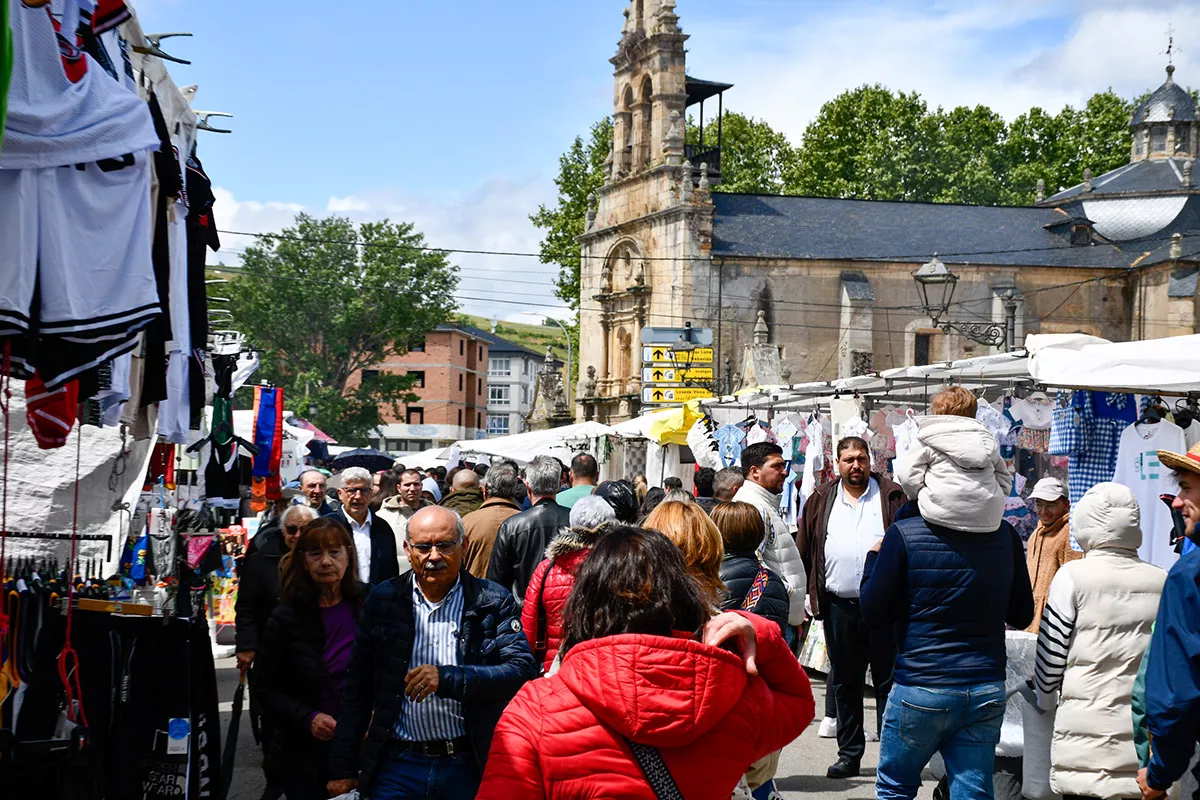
(828, 729)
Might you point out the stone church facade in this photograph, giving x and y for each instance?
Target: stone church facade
(1116, 256)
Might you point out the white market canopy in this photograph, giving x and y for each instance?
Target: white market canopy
(1048, 361)
(561, 443)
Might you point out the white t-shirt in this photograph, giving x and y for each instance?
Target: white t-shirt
(70, 113)
(1191, 434)
(1138, 468)
(854, 528)
(362, 544)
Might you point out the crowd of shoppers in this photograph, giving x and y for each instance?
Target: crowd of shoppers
(516, 632)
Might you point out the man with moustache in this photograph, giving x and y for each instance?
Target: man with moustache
(437, 656)
(840, 524)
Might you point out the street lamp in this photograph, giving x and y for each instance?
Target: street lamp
(936, 285)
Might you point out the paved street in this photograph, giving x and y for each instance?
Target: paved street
(801, 770)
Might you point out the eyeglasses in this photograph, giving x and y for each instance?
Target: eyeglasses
(356, 489)
(445, 548)
(292, 528)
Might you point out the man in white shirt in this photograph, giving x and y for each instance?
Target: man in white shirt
(373, 538)
(841, 522)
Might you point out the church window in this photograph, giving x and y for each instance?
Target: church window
(1139, 144)
(1158, 139)
(1181, 139)
(922, 348)
(647, 120)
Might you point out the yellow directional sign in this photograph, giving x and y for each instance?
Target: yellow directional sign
(673, 394)
(672, 375)
(665, 355)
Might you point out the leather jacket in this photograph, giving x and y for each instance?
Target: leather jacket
(521, 545)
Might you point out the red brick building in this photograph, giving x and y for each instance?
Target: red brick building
(451, 367)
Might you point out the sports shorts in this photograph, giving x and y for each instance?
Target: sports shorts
(76, 278)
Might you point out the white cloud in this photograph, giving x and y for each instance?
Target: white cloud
(493, 216)
(993, 52)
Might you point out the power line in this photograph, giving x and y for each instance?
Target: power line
(552, 256)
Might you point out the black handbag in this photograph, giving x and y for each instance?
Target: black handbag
(655, 769)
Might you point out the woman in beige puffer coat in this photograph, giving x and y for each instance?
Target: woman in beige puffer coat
(1094, 630)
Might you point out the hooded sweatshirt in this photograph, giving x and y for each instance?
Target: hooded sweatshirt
(565, 736)
(956, 474)
(1095, 628)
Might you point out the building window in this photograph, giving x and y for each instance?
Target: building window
(414, 415)
(499, 395)
(499, 367)
(1158, 139)
(1081, 234)
(922, 349)
(460, 418)
(481, 352)
(478, 419)
(418, 346)
(369, 375)
(418, 377)
(462, 347)
(460, 381)
(497, 424)
(479, 386)
(1181, 139)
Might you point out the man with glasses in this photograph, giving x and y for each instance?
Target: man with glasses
(437, 657)
(374, 541)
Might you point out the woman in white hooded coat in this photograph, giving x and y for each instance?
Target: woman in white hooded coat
(1094, 630)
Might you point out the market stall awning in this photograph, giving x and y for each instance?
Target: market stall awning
(524, 447)
(1170, 365)
(665, 426)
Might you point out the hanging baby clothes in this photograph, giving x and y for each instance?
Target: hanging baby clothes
(842, 411)
(1035, 417)
(906, 435)
(729, 443)
(813, 461)
(1138, 468)
(785, 430)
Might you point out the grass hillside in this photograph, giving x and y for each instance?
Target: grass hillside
(535, 337)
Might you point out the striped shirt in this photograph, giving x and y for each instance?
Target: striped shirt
(435, 642)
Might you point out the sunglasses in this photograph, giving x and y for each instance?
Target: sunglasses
(292, 528)
(445, 548)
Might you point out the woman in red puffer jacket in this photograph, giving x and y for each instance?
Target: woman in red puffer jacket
(644, 668)
(546, 596)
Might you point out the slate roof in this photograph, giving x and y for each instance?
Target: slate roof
(1158, 175)
(818, 228)
(496, 345)
(857, 286)
(1168, 103)
(1183, 282)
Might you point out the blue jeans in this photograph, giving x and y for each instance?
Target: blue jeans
(410, 776)
(962, 722)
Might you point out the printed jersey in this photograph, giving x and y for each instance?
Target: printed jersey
(63, 108)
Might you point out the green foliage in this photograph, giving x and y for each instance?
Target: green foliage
(755, 158)
(581, 172)
(332, 299)
(869, 143)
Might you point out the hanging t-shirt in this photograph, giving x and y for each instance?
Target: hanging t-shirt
(1191, 434)
(63, 108)
(1138, 468)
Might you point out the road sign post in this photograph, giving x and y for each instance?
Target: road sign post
(661, 354)
(657, 395)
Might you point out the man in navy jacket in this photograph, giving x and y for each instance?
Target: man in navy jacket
(949, 592)
(1173, 665)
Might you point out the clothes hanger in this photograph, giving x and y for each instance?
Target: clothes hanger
(153, 49)
(203, 124)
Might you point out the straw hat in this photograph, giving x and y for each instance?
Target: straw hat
(1189, 462)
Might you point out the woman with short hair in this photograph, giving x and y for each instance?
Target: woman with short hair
(304, 656)
(749, 585)
(647, 694)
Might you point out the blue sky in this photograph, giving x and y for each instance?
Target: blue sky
(453, 114)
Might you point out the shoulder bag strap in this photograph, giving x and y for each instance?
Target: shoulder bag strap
(655, 769)
(541, 636)
(755, 593)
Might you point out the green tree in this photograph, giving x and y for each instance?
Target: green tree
(755, 158)
(326, 299)
(867, 143)
(580, 172)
